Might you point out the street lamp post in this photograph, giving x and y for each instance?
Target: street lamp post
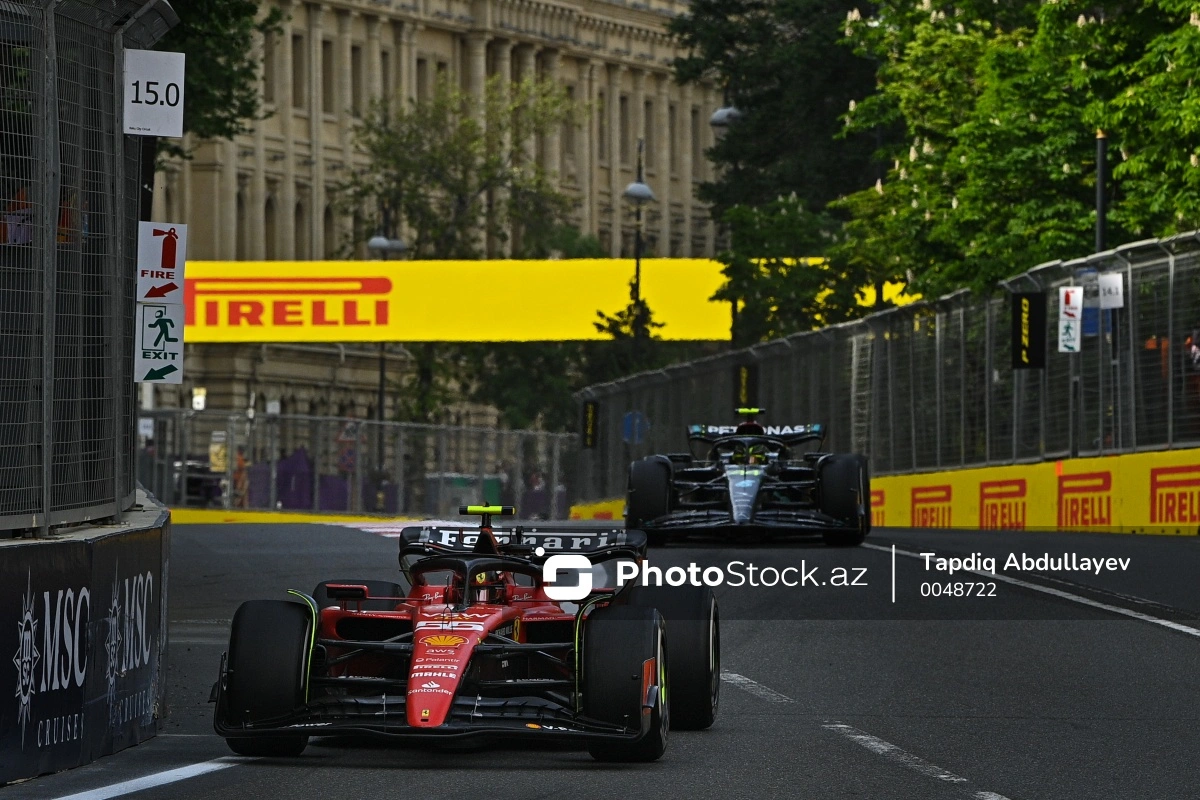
(383, 247)
(720, 121)
(639, 194)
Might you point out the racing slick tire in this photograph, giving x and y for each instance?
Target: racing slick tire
(376, 589)
(694, 627)
(649, 496)
(267, 672)
(618, 641)
(844, 479)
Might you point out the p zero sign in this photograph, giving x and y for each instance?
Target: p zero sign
(1029, 330)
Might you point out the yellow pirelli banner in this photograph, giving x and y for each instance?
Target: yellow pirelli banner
(1155, 492)
(1136, 493)
(444, 301)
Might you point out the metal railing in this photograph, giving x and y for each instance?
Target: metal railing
(69, 202)
(931, 386)
(219, 459)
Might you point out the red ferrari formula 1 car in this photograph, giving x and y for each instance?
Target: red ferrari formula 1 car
(476, 646)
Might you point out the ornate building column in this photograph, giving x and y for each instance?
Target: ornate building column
(285, 198)
(552, 160)
(527, 70)
(585, 164)
(686, 191)
(373, 69)
(662, 161)
(477, 68)
(614, 155)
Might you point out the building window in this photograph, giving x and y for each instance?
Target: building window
(356, 81)
(269, 68)
(385, 73)
(330, 234)
(301, 232)
(697, 147)
(299, 73)
(422, 80)
(602, 132)
(672, 140)
(648, 134)
(243, 229)
(327, 105)
(269, 231)
(624, 122)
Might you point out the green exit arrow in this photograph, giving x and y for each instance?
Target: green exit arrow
(160, 373)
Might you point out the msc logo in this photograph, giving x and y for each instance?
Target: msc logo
(1085, 499)
(286, 302)
(1002, 505)
(1175, 494)
(931, 506)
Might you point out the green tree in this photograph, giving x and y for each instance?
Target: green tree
(773, 281)
(452, 169)
(221, 95)
(789, 73)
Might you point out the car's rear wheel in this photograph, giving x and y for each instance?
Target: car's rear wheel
(376, 589)
(624, 647)
(267, 672)
(845, 488)
(694, 631)
(649, 496)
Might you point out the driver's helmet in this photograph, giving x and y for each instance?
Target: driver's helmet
(488, 587)
(750, 428)
(754, 454)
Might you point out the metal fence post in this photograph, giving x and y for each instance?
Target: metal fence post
(555, 464)
(45, 243)
(401, 453)
(273, 461)
(230, 459)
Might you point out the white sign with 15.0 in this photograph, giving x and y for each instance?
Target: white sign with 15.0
(153, 88)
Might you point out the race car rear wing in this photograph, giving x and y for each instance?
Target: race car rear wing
(788, 434)
(523, 542)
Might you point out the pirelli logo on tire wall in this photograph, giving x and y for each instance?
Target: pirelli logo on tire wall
(1136, 493)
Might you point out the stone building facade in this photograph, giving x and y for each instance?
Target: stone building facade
(268, 195)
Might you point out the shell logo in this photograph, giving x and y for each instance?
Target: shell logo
(443, 640)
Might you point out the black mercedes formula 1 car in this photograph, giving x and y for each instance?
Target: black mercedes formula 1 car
(748, 479)
(481, 643)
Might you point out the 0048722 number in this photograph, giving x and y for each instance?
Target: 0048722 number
(168, 97)
(956, 589)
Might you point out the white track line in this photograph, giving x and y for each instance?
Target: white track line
(755, 688)
(905, 759)
(1074, 598)
(157, 779)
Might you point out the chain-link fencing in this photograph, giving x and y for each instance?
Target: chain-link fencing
(69, 206)
(218, 459)
(931, 386)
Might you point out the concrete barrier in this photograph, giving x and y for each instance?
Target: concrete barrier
(1156, 492)
(84, 616)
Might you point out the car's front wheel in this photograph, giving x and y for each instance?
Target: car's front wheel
(267, 673)
(624, 668)
(694, 630)
(845, 492)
